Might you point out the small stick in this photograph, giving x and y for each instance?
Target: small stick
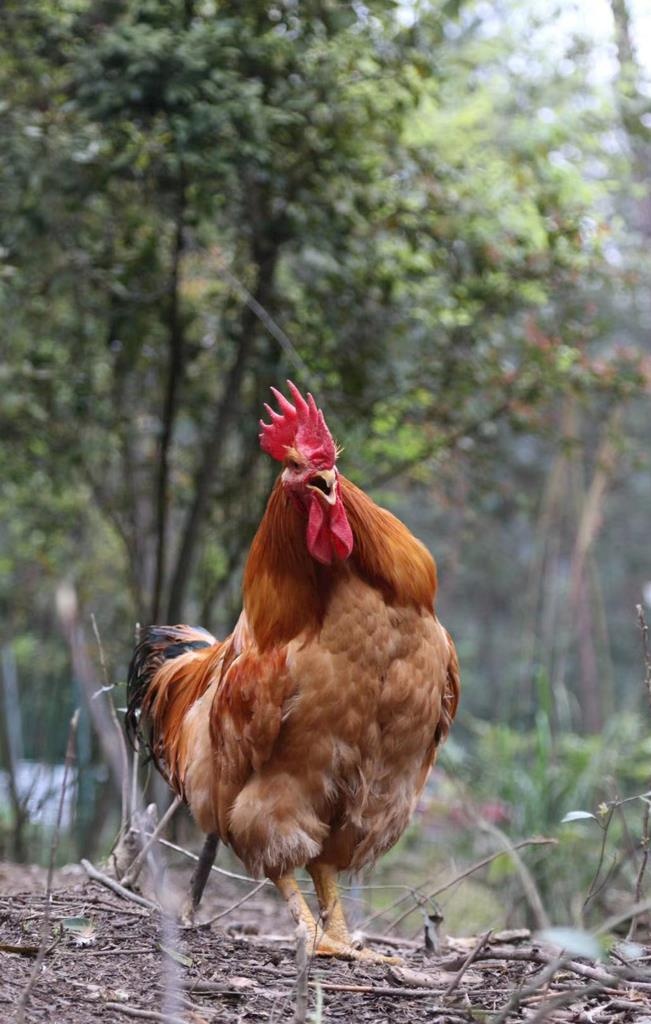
(644, 842)
(138, 862)
(563, 999)
(594, 887)
(387, 990)
(519, 995)
(134, 777)
(526, 878)
(131, 1011)
(474, 953)
(45, 928)
(124, 754)
(535, 956)
(136, 750)
(110, 883)
(218, 870)
(644, 629)
(233, 906)
(484, 862)
(612, 922)
(300, 1011)
(126, 951)
(390, 940)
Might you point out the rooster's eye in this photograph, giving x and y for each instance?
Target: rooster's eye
(293, 464)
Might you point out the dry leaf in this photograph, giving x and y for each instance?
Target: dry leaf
(174, 954)
(241, 983)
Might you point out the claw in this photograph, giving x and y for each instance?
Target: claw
(327, 946)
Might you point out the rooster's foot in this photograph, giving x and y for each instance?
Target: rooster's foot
(328, 946)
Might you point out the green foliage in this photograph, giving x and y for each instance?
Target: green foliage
(533, 781)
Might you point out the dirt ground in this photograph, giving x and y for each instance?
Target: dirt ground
(110, 960)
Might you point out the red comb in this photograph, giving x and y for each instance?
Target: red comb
(299, 426)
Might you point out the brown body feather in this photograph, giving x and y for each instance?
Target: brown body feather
(309, 732)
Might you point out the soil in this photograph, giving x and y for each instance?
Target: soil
(122, 962)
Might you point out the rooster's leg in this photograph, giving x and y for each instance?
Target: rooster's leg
(288, 888)
(320, 942)
(332, 912)
(335, 939)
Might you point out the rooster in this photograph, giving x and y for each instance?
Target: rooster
(305, 737)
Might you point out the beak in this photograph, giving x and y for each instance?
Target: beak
(325, 482)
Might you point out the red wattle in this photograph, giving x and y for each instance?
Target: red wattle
(318, 541)
(328, 531)
(340, 531)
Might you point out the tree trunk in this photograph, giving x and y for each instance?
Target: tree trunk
(170, 407)
(215, 441)
(632, 105)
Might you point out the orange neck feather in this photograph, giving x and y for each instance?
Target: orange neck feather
(286, 591)
(386, 554)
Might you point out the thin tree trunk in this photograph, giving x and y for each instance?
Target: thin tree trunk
(11, 742)
(170, 407)
(216, 439)
(632, 105)
(589, 680)
(580, 610)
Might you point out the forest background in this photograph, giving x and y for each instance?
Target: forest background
(437, 217)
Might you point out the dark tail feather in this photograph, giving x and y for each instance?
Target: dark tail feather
(157, 644)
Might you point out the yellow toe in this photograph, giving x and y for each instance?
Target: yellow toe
(326, 945)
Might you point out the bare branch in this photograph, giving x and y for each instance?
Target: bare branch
(119, 890)
(472, 956)
(238, 903)
(477, 866)
(125, 810)
(138, 862)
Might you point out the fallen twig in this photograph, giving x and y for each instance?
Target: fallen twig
(195, 857)
(386, 990)
(520, 994)
(472, 956)
(562, 999)
(110, 883)
(229, 910)
(220, 871)
(537, 956)
(8, 947)
(132, 1011)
